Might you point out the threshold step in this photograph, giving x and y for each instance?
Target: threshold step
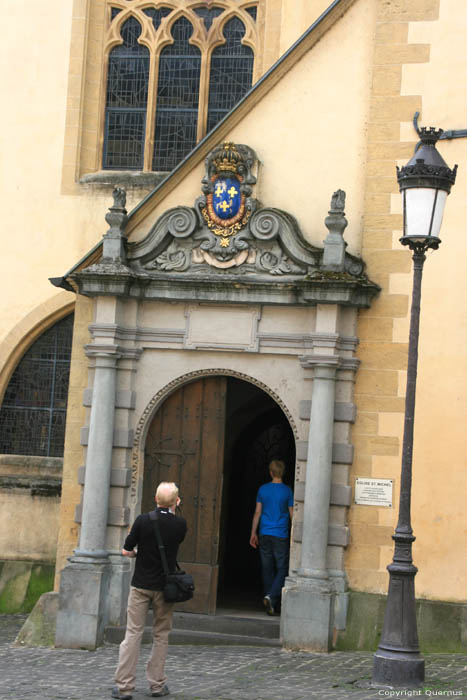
(192, 628)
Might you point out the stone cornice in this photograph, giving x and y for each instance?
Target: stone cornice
(225, 288)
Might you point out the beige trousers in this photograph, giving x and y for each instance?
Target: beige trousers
(139, 602)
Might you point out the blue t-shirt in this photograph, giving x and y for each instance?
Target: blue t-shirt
(275, 500)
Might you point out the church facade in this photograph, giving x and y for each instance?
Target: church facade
(249, 299)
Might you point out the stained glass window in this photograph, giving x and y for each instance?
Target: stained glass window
(177, 99)
(231, 72)
(33, 413)
(208, 15)
(157, 15)
(252, 12)
(174, 77)
(127, 94)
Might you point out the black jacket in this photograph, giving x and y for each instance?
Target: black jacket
(149, 573)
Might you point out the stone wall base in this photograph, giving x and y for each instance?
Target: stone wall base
(442, 627)
(22, 583)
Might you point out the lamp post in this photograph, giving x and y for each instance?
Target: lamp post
(425, 183)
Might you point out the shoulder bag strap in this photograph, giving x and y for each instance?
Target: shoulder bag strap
(153, 517)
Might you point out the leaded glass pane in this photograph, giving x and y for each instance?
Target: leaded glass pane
(208, 15)
(177, 99)
(127, 94)
(124, 146)
(157, 14)
(231, 72)
(33, 413)
(114, 11)
(252, 11)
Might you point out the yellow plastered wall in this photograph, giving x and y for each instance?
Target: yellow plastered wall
(47, 228)
(412, 71)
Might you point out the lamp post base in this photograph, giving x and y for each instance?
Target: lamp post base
(398, 669)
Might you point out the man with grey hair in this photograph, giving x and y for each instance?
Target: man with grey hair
(146, 590)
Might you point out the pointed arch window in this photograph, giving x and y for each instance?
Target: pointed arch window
(176, 73)
(177, 98)
(231, 72)
(33, 412)
(127, 95)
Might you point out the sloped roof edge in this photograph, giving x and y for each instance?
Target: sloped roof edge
(303, 44)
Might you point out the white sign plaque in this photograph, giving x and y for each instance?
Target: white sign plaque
(373, 492)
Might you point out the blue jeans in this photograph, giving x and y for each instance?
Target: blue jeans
(274, 555)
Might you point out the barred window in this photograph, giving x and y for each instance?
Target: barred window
(33, 412)
(172, 76)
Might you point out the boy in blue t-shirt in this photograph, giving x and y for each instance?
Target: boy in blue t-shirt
(274, 508)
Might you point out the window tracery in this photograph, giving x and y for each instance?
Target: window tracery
(174, 69)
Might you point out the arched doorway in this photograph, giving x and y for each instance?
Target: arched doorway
(215, 437)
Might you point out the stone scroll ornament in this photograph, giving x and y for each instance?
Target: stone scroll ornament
(227, 229)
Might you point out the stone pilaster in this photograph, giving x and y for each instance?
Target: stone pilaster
(308, 598)
(85, 581)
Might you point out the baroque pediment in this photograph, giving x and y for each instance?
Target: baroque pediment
(227, 231)
(228, 237)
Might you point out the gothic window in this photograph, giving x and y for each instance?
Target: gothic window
(33, 412)
(231, 72)
(174, 70)
(127, 94)
(177, 98)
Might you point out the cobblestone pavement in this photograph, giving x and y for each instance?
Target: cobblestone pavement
(212, 673)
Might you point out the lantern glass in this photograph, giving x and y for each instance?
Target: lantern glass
(423, 212)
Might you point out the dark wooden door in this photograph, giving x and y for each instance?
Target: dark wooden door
(185, 444)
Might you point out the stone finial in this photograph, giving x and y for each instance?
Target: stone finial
(119, 196)
(337, 202)
(334, 244)
(116, 217)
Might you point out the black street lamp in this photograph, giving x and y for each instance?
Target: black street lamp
(425, 183)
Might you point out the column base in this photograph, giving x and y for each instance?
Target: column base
(398, 669)
(307, 615)
(82, 606)
(119, 588)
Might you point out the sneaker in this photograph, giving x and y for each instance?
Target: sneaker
(117, 693)
(267, 602)
(159, 693)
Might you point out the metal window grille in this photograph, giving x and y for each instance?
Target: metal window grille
(208, 15)
(33, 412)
(177, 99)
(157, 14)
(127, 94)
(231, 72)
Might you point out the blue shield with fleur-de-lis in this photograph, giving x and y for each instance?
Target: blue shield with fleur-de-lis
(226, 198)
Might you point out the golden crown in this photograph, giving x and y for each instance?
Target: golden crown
(228, 158)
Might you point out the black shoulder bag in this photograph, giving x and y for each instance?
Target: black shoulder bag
(179, 586)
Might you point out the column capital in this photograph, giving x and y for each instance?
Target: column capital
(104, 351)
(106, 355)
(329, 362)
(324, 366)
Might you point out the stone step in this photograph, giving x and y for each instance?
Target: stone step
(191, 628)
